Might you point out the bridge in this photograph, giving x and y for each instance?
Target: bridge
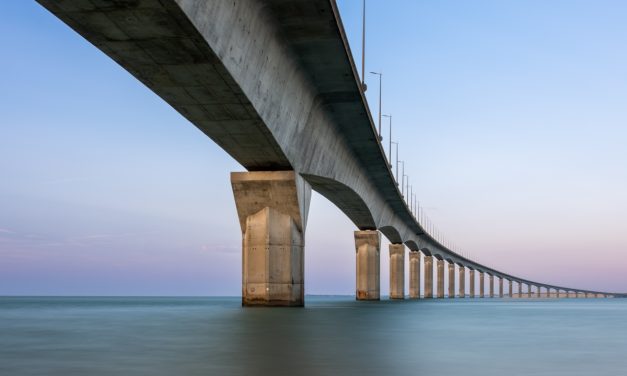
(273, 83)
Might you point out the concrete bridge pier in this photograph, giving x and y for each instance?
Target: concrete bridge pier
(451, 280)
(481, 285)
(397, 271)
(500, 287)
(491, 286)
(367, 248)
(414, 274)
(520, 288)
(538, 292)
(557, 293)
(440, 279)
(428, 276)
(528, 291)
(472, 282)
(462, 281)
(273, 236)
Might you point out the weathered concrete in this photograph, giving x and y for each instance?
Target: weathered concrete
(414, 274)
(272, 208)
(528, 291)
(500, 287)
(440, 278)
(428, 276)
(471, 281)
(462, 281)
(481, 285)
(451, 280)
(511, 288)
(367, 247)
(491, 286)
(397, 271)
(538, 291)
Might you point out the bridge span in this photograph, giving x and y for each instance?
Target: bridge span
(273, 83)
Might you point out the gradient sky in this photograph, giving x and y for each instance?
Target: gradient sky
(512, 117)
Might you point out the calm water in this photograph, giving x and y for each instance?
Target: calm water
(332, 336)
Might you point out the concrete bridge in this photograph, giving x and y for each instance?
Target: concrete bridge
(274, 84)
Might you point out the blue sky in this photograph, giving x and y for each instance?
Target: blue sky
(511, 117)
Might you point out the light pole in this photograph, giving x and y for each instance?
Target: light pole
(390, 147)
(402, 178)
(380, 76)
(363, 46)
(396, 143)
(415, 208)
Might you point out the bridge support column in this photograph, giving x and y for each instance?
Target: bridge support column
(539, 292)
(481, 285)
(272, 207)
(511, 288)
(491, 286)
(528, 291)
(462, 281)
(397, 271)
(500, 287)
(428, 276)
(367, 247)
(472, 282)
(451, 280)
(414, 274)
(557, 293)
(440, 279)
(520, 289)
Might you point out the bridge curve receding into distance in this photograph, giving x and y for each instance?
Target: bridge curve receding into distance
(273, 83)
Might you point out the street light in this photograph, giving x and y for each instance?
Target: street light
(396, 143)
(363, 47)
(380, 75)
(413, 203)
(390, 147)
(402, 178)
(415, 206)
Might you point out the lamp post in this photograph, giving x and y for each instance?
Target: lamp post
(390, 147)
(380, 76)
(363, 46)
(402, 178)
(396, 143)
(415, 206)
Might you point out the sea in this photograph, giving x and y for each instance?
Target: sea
(332, 335)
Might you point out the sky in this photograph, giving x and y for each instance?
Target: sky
(512, 122)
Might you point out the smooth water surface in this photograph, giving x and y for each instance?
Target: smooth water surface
(331, 336)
